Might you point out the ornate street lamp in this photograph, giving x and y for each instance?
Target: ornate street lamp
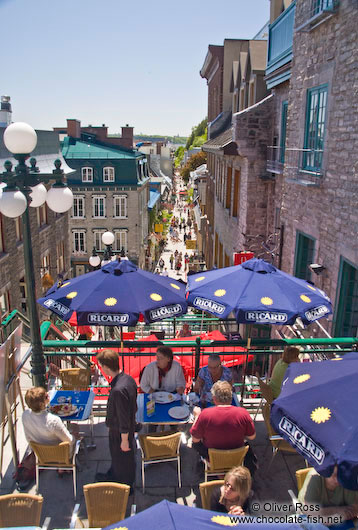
(25, 188)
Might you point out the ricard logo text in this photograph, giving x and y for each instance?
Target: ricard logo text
(265, 316)
(205, 304)
(316, 312)
(111, 319)
(57, 306)
(301, 440)
(165, 311)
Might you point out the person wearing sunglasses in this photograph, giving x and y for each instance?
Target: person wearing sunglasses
(233, 496)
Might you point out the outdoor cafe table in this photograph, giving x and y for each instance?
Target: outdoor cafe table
(82, 399)
(161, 415)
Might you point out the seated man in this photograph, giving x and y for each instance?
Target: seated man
(40, 425)
(208, 375)
(163, 374)
(223, 426)
(330, 495)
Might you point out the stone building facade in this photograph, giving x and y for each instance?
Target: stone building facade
(318, 201)
(49, 231)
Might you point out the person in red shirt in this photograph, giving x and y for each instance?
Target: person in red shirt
(223, 426)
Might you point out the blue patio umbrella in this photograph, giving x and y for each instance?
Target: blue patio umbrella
(257, 293)
(316, 412)
(171, 516)
(115, 295)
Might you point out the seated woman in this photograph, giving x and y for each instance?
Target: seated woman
(208, 375)
(232, 497)
(290, 355)
(185, 331)
(163, 374)
(40, 425)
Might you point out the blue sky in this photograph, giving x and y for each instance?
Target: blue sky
(114, 61)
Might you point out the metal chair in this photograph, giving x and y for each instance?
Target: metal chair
(20, 509)
(56, 457)
(206, 489)
(75, 378)
(222, 460)
(276, 441)
(159, 448)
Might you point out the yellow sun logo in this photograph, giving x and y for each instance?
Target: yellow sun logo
(156, 297)
(200, 279)
(73, 294)
(301, 379)
(266, 300)
(220, 292)
(175, 286)
(120, 528)
(305, 298)
(337, 359)
(311, 287)
(321, 415)
(223, 520)
(110, 301)
(64, 284)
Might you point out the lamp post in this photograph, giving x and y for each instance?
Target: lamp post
(25, 188)
(95, 260)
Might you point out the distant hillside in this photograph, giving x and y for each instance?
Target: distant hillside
(157, 138)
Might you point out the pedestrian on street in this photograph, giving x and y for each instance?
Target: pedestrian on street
(165, 272)
(171, 259)
(188, 223)
(161, 264)
(176, 252)
(120, 420)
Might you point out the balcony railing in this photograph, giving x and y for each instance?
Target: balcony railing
(317, 12)
(300, 165)
(280, 40)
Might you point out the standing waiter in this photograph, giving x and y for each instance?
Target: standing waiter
(120, 420)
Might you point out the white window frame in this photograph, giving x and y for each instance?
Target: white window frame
(81, 235)
(77, 199)
(97, 238)
(120, 240)
(122, 202)
(87, 174)
(108, 174)
(97, 199)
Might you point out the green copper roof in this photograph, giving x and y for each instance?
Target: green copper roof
(76, 149)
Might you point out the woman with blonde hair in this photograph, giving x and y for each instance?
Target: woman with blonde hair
(233, 496)
(290, 355)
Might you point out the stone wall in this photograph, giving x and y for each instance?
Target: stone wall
(328, 210)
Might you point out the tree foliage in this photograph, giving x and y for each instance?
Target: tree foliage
(199, 131)
(179, 155)
(194, 161)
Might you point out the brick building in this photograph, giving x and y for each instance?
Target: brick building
(50, 234)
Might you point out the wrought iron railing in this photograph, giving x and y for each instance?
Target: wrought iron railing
(304, 165)
(317, 12)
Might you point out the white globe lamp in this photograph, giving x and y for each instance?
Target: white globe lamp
(108, 238)
(59, 199)
(13, 203)
(94, 261)
(20, 138)
(38, 195)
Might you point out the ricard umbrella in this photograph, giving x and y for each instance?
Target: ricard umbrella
(257, 293)
(316, 412)
(116, 295)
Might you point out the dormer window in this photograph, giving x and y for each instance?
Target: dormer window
(108, 174)
(87, 174)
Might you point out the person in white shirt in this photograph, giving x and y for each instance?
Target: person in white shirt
(40, 425)
(163, 374)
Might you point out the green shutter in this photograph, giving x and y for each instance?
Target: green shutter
(347, 307)
(315, 126)
(283, 131)
(303, 255)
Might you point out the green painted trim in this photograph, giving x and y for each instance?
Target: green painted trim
(310, 92)
(44, 329)
(10, 317)
(339, 313)
(298, 252)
